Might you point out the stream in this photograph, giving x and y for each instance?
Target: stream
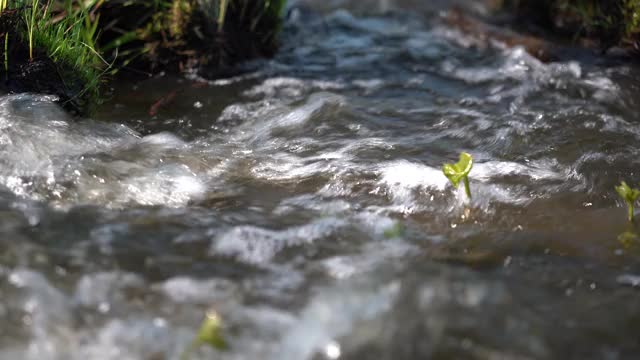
(304, 202)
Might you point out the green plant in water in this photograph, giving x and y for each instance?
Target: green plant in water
(628, 239)
(210, 334)
(629, 195)
(460, 171)
(394, 231)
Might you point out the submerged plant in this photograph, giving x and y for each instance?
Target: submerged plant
(629, 195)
(628, 239)
(394, 231)
(460, 171)
(210, 332)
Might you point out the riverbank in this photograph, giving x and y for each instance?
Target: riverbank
(47, 53)
(70, 48)
(604, 24)
(553, 30)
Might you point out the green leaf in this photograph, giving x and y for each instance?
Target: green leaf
(629, 195)
(222, 13)
(458, 171)
(210, 332)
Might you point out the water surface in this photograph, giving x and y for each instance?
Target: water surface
(304, 202)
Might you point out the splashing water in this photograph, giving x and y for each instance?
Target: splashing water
(305, 203)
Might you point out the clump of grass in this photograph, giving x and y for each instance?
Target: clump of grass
(57, 35)
(207, 36)
(69, 40)
(460, 172)
(146, 36)
(631, 14)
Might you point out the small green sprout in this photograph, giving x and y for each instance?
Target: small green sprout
(210, 332)
(629, 195)
(459, 171)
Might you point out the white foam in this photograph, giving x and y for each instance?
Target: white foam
(402, 178)
(257, 246)
(193, 291)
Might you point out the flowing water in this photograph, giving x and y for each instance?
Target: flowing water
(304, 202)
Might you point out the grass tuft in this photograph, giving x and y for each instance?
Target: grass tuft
(144, 36)
(63, 33)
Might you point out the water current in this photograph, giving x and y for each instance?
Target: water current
(304, 202)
